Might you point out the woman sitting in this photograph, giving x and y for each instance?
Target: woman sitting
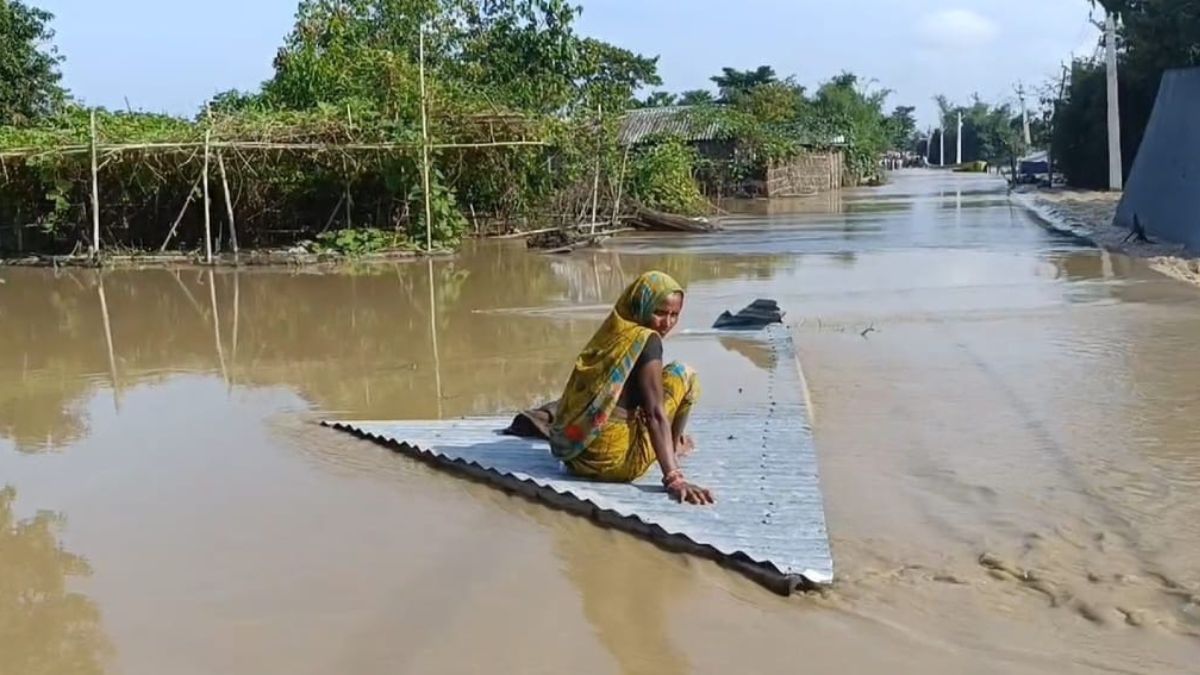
(622, 409)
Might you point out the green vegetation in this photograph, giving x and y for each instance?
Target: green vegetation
(1153, 36)
(991, 133)
(663, 177)
(29, 77)
(523, 114)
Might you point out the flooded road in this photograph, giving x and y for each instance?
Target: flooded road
(1005, 420)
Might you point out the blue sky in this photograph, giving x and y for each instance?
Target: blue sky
(171, 55)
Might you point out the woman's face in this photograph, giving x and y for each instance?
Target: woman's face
(667, 315)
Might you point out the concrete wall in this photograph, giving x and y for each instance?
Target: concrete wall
(1163, 189)
(812, 172)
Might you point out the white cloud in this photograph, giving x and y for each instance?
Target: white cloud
(956, 29)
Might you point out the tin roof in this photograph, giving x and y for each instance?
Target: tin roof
(675, 120)
(756, 455)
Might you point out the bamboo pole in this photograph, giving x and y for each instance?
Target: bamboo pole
(596, 178)
(95, 247)
(207, 201)
(333, 214)
(186, 202)
(425, 158)
(620, 187)
(233, 242)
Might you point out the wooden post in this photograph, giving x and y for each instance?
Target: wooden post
(425, 152)
(207, 201)
(95, 247)
(233, 242)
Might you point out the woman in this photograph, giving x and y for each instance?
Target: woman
(622, 409)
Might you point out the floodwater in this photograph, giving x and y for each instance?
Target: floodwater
(1006, 421)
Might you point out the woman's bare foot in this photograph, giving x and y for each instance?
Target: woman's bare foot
(684, 446)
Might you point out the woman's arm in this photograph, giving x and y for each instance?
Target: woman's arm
(649, 381)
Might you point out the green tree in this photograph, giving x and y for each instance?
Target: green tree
(902, 128)
(1153, 36)
(846, 108)
(659, 99)
(696, 97)
(733, 83)
(29, 75)
(774, 102)
(519, 54)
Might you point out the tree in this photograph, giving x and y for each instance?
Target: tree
(1153, 35)
(733, 83)
(659, 99)
(520, 54)
(29, 75)
(902, 128)
(696, 97)
(846, 108)
(991, 133)
(774, 102)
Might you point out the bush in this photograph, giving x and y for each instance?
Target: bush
(662, 177)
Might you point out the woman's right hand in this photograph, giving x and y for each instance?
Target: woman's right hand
(685, 492)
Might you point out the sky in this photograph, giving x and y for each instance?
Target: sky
(172, 55)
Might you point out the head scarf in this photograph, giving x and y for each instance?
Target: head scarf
(605, 364)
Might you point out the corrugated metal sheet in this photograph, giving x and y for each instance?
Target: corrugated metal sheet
(676, 120)
(769, 520)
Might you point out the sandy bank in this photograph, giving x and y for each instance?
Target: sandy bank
(1090, 214)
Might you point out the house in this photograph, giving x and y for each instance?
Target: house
(820, 167)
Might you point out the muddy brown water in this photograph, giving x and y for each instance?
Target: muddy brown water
(1006, 422)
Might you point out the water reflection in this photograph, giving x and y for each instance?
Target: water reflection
(385, 341)
(45, 628)
(628, 598)
(758, 353)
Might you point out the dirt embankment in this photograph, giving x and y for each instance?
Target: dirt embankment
(1090, 214)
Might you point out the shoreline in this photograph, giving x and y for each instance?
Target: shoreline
(1089, 214)
(265, 258)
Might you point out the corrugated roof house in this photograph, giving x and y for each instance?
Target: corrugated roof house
(819, 169)
(643, 124)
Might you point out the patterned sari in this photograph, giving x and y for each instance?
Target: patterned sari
(586, 433)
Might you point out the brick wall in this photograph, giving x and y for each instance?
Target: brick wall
(812, 172)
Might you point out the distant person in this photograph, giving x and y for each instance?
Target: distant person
(622, 409)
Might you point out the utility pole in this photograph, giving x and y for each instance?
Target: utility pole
(1115, 169)
(1062, 89)
(942, 145)
(1024, 115)
(958, 139)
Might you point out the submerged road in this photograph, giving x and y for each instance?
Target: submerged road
(1004, 421)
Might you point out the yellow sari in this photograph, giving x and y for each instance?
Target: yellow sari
(590, 434)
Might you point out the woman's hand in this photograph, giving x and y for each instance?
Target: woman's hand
(684, 446)
(685, 492)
